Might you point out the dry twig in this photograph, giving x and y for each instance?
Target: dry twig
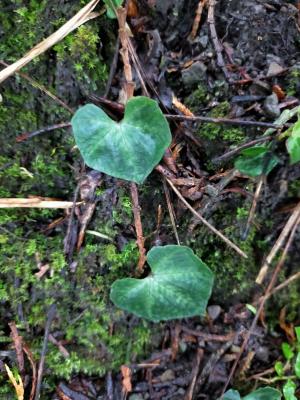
(35, 202)
(201, 5)
(214, 38)
(42, 88)
(206, 223)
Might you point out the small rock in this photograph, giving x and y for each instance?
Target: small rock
(262, 353)
(260, 87)
(168, 375)
(214, 312)
(194, 74)
(271, 106)
(203, 40)
(274, 68)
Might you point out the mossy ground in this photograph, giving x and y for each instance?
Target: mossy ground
(96, 333)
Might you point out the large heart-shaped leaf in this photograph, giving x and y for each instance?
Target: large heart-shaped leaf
(129, 149)
(179, 286)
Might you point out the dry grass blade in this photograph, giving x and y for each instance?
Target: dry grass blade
(84, 15)
(278, 244)
(206, 223)
(35, 202)
(17, 383)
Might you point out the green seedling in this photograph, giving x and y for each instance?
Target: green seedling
(259, 160)
(129, 149)
(179, 286)
(266, 393)
(256, 161)
(111, 6)
(291, 354)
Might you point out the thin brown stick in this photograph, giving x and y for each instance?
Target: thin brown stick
(28, 135)
(195, 371)
(35, 202)
(29, 355)
(278, 244)
(210, 337)
(206, 223)
(226, 121)
(129, 84)
(284, 284)
(138, 226)
(237, 150)
(128, 91)
(264, 298)
(171, 211)
(253, 206)
(50, 317)
(196, 23)
(42, 88)
(83, 15)
(214, 37)
(18, 342)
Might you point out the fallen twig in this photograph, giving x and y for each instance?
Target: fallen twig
(138, 226)
(214, 38)
(253, 206)
(238, 149)
(28, 135)
(50, 316)
(224, 121)
(35, 202)
(171, 211)
(34, 371)
(206, 223)
(42, 88)
(195, 371)
(18, 342)
(196, 23)
(210, 337)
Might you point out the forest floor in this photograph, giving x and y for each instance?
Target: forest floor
(233, 60)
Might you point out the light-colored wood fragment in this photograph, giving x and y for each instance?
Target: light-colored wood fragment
(36, 202)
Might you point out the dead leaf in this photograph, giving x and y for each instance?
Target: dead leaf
(288, 328)
(126, 382)
(16, 382)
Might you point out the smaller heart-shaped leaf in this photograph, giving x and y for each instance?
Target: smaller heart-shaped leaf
(129, 149)
(179, 286)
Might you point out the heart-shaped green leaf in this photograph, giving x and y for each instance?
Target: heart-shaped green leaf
(129, 149)
(179, 286)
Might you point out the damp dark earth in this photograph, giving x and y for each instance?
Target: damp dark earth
(149, 200)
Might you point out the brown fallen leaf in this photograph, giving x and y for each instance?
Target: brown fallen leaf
(126, 381)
